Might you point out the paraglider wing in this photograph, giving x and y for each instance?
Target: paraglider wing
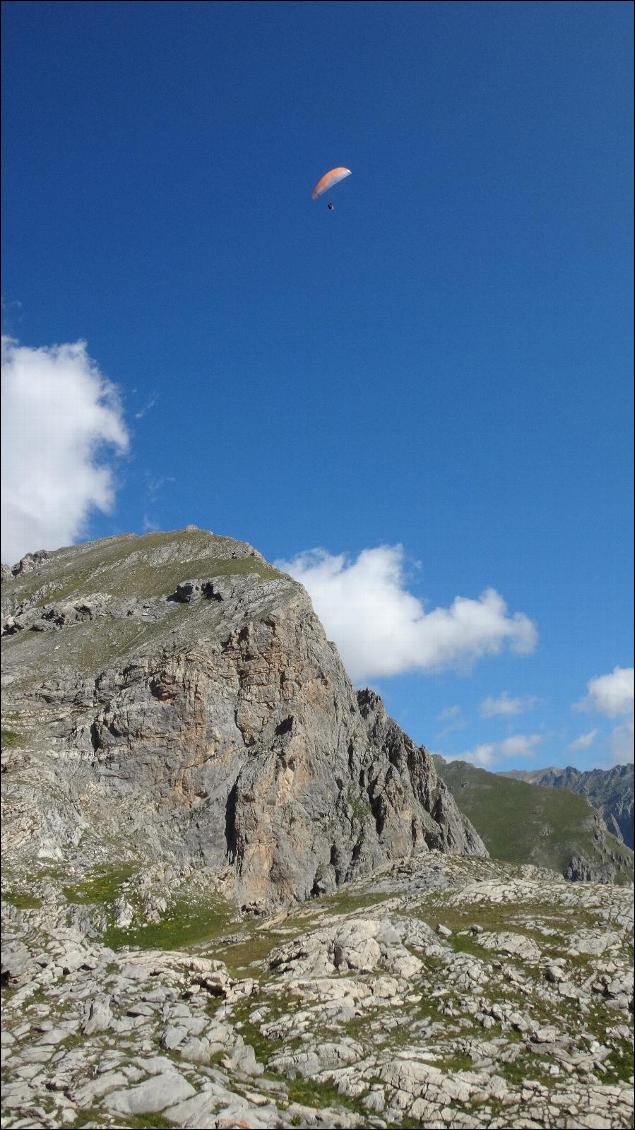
(334, 176)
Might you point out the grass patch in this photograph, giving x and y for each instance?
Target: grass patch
(9, 739)
(359, 1028)
(346, 903)
(22, 901)
(40, 996)
(250, 1032)
(311, 1092)
(456, 1061)
(148, 1122)
(524, 1068)
(85, 1117)
(359, 806)
(101, 888)
(514, 917)
(125, 568)
(619, 1063)
(239, 956)
(133, 1121)
(185, 924)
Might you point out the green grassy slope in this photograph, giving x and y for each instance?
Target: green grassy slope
(608, 790)
(525, 823)
(128, 567)
(134, 566)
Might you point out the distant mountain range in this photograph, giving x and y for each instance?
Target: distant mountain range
(608, 790)
(527, 823)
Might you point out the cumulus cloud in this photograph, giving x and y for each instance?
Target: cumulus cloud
(489, 753)
(584, 741)
(61, 424)
(611, 695)
(504, 705)
(381, 629)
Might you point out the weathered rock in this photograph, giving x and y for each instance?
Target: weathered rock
(437, 1038)
(231, 734)
(16, 961)
(98, 1015)
(518, 945)
(152, 1096)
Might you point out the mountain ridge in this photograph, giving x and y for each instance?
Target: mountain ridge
(610, 791)
(524, 822)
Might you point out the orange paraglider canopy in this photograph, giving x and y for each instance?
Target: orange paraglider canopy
(334, 176)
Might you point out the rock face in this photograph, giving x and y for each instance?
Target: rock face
(173, 697)
(608, 790)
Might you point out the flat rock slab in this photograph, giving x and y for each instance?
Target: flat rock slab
(152, 1096)
(517, 945)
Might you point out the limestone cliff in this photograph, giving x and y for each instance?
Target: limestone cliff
(174, 697)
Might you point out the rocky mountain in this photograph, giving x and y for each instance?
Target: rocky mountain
(608, 790)
(526, 823)
(235, 894)
(173, 698)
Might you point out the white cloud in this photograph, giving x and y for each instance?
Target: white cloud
(622, 742)
(482, 755)
(450, 714)
(154, 484)
(147, 407)
(503, 704)
(59, 417)
(453, 718)
(610, 694)
(584, 741)
(488, 753)
(520, 745)
(381, 629)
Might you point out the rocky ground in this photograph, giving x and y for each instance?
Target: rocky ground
(445, 991)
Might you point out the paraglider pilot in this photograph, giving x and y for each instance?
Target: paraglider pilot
(333, 177)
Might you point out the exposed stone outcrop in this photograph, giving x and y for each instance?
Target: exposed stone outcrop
(387, 1006)
(176, 697)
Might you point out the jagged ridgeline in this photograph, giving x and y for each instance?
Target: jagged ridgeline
(174, 697)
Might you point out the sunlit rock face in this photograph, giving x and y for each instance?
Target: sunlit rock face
(174, 697)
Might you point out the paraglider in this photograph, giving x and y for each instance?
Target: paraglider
(329, 180)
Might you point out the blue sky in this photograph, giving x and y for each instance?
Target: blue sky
(442, 363)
